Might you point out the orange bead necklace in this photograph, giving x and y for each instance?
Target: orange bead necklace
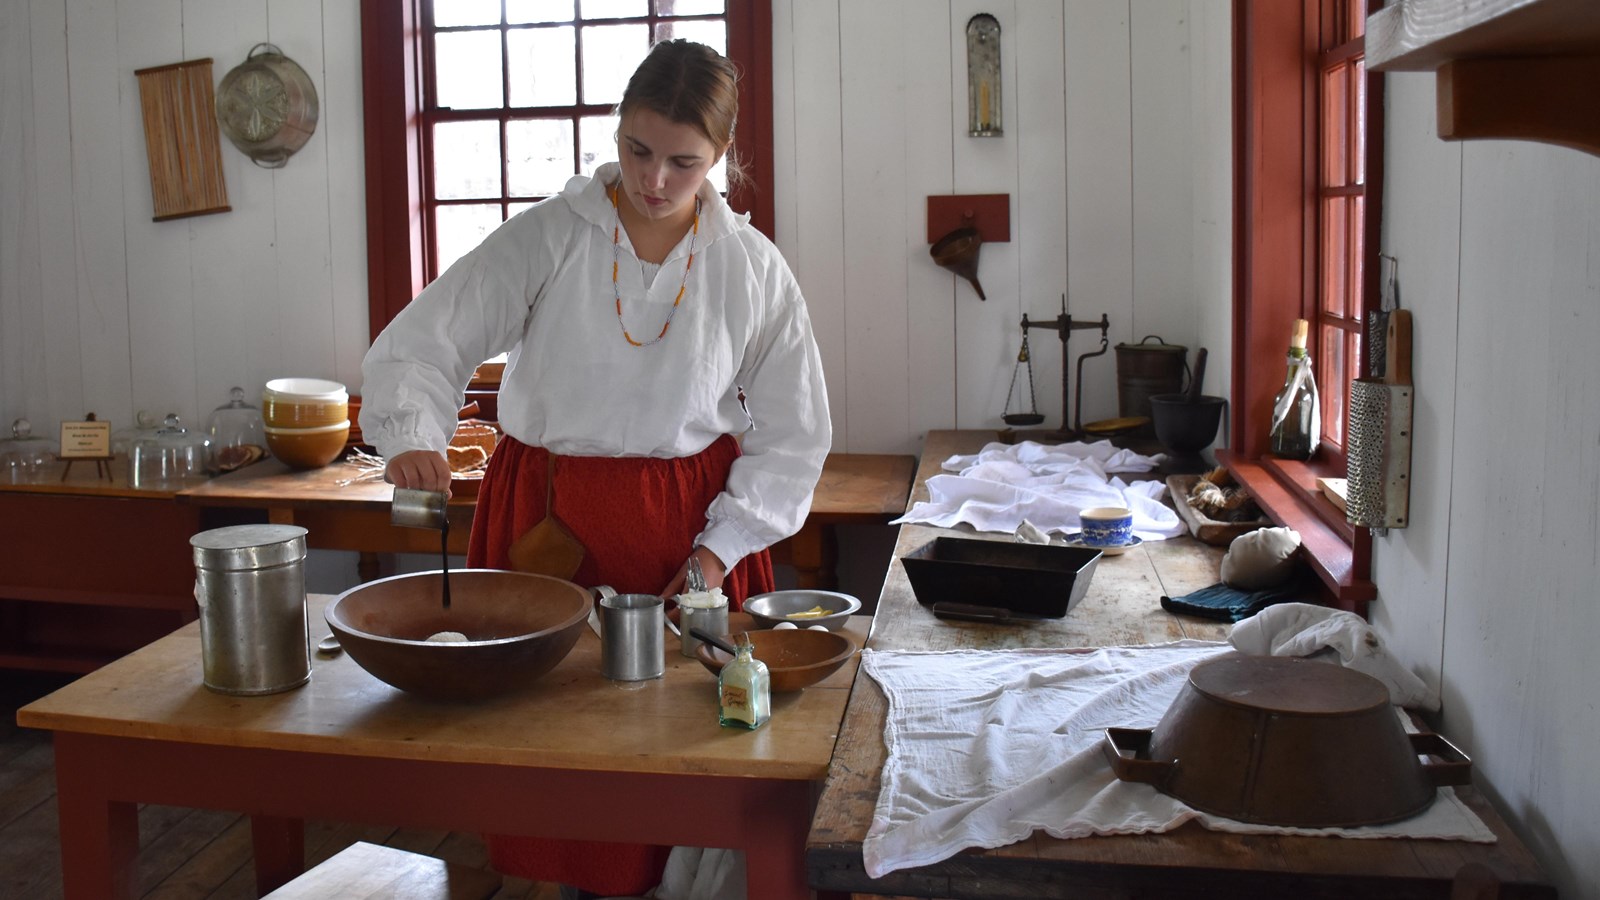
(616, 249)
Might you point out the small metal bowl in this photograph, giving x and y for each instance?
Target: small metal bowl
(780, 606)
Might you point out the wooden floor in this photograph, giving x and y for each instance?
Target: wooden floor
(185, 854)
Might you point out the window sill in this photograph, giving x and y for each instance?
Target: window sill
(1339, 553)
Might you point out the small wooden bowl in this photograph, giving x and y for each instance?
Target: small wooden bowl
(795, 659)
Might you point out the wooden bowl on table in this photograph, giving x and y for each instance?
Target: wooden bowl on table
(518, 627)
(795, 659)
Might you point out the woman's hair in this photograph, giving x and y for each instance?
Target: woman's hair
(693, 85)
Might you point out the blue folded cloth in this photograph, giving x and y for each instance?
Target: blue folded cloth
(1229, 604)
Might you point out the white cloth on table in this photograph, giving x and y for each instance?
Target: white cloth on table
(1304, 629)
(1046, 484)
(987, 746)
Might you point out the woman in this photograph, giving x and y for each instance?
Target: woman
(647, 324)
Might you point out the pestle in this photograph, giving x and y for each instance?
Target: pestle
(1198, 377)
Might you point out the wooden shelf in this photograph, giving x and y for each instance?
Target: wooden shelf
(1506, 69)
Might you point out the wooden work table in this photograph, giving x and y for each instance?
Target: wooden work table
(1121, 608)
(340, 513)
(573, 756)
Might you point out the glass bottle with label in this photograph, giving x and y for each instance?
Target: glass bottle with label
(1296, 411)
(744, 689)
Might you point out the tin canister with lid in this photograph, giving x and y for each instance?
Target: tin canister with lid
(251, 590)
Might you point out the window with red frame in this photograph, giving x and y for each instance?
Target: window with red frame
(518, 96)
(1341, 211)
(476, 109)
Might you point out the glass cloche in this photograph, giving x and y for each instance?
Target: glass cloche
(25, 458)
(171, 459)
(238, 434)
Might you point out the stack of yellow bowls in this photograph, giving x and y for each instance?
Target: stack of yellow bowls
(307, 419)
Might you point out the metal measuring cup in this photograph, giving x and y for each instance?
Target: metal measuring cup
(418, 509)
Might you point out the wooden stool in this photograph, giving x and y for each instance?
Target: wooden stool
(364, 871)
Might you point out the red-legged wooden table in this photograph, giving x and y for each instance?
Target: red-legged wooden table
(575, 756)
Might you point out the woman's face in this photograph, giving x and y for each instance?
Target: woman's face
(663, 163)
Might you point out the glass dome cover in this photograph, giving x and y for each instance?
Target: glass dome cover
(238, 434)
(24, 457)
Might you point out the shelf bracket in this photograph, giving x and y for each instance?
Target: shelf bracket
(1535, 98)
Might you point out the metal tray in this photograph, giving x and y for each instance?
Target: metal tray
(1027, 579)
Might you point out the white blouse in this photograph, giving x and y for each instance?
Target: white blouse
(540, 288)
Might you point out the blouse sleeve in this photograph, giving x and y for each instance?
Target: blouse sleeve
(769, 489)
(414, 377)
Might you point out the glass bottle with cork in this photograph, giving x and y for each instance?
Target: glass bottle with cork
(1296, 410)
(744, 689)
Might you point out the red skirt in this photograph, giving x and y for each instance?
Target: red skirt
(637, 518)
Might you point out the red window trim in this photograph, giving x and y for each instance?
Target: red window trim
(1275, 251)
(392, 82)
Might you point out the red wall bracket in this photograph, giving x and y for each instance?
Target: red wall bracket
(990, 214)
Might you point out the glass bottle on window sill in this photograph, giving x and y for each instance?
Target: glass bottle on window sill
(1296, 411)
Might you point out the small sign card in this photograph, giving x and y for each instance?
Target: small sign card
(89, 439)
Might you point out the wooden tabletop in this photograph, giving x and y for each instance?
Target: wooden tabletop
(573, 717)
(1121, 608)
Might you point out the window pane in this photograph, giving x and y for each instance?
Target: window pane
(1358, 137)
(1356, 279)
(466, 160)
(541, 64)
(1332, 383)
(463, 227)
(610, 54)
(522, 12)
(597, 142)
(690, 7)
(1335, 116)
(517, 208)
(538, 156)
(467, 69)
(613, 9)
(1333, 262)
(713, 34)
(466, 12)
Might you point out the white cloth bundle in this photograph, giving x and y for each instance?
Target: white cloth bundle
(1304, 629)
(987, 746)
(1046, 484)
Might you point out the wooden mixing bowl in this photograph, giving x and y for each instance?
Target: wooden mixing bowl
(518, 627)
(795, 659)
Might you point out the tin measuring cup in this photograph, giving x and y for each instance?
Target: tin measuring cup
(632, 630)
(418, 509)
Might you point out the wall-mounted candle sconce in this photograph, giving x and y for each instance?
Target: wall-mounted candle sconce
(983, 76)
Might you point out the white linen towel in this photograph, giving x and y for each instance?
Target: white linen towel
(1305, 629)
(1048, 485)
(987, 746)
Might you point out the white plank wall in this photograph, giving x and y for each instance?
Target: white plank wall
(102, 309)
(1490, 595)
(876, 119)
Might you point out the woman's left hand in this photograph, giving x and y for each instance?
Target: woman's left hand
(711, 567)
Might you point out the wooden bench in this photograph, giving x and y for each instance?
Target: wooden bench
(364, 871)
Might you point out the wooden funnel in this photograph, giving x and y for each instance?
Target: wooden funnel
(958, 252)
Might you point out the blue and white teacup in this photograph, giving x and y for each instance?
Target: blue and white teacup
(1106, 526)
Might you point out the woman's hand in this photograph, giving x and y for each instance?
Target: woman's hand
(711, 567)
(419, 470)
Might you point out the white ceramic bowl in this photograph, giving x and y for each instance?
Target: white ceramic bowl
(314, 389)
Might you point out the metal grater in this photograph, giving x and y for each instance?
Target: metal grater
(1379, 454)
